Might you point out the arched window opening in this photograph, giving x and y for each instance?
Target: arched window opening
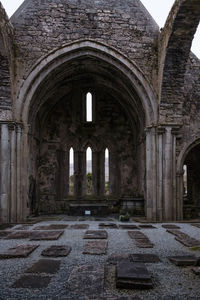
(107, 170)
(89, 171)
(71, 171)
(185, 189)
(89, 107)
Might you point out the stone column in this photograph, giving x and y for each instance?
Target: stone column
(19, 195)
(5, 174)
(98, 173)
(13, 171)
(179, 195)
(80, 173)
(151, 174)
(114, 174)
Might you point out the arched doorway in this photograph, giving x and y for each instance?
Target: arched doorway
(191, 184)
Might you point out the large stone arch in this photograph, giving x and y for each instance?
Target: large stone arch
(138, 100)
(175, 44)
(86, 48)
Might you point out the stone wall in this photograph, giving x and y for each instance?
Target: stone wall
(65, 127)
(42, 26)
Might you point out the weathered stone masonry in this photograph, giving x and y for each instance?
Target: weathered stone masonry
(145, 85)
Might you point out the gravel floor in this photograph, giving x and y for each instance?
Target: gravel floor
(170, 282)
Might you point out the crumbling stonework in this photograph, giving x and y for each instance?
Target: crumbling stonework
(145, 88)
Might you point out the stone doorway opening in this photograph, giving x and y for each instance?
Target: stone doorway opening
(191, 184)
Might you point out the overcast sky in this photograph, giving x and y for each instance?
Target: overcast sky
(159, 9)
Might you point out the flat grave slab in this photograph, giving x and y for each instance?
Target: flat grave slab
(48, 266)
(140, 239)
(196, 270)
(6, 226)
(183, 238)
(79, 226)
(19, 235)
(45, 235)
(147, 226)
(23, 227)
(96, 247)
(20, 251)
(32, 282)
(51, 227)
(108, 225)
(87, 281)
(4, 234)
(133, 276)
(116, 298)
(56, 251)
(128, 226)
(170, 226)
(115, 258)
(183, 260)
(95, 234)
(196, 225)
(145, 258)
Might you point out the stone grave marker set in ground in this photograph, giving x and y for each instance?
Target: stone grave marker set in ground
(95, 234)
(140, 239)
(108, 225)
(183, 238)
(57, 251)
(135, 257)
(131, 275)
(184, 260)
(20, 251)
(96, 247)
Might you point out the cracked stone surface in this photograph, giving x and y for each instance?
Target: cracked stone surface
(95, 247)
(87, 280)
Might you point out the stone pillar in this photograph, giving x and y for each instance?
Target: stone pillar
(5, 174)
(179, 195)
(19, 196)
(114, 174)
(151, 174)
(13, 171)
(98, 173)
(79, 173)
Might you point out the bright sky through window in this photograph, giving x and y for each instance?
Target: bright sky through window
(89, 107)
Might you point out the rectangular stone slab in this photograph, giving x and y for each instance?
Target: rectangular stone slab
(133, 276)
(6, 226)
(48, 266)
(145, 258)
(79, 226)
(133, 271)
(45, 235)
(23, 227)
(183, 260)
(136, 235)
(144, 244)
(170, 226)
(131, 284)
(51, 227)
(32, 282)
(115, 258)
(56, 251)
(196, 225)
(108, 225)
(19, 235)
(147, 226)
(96, 247)
(96, 234)
(4, 234)
(20, 251)
(128, 226)
(87, 280)
(188, 242)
